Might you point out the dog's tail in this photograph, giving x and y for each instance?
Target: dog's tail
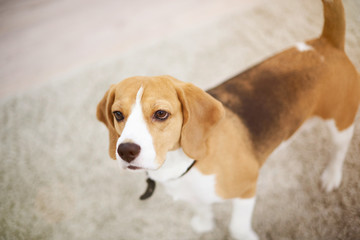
(334, 23)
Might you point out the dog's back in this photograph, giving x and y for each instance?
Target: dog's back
(315, 78)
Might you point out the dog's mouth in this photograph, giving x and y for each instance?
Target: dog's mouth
(134, 167)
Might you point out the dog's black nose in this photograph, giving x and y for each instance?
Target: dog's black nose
(128, 151)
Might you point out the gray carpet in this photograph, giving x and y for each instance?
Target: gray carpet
(57, 181)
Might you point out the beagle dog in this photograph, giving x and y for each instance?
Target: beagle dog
(206, 147)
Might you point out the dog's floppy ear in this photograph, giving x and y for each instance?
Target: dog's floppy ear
(201, 112)
(104, 114)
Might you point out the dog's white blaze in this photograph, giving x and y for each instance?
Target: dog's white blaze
(302, 47)
(136, 131)
(331, 177)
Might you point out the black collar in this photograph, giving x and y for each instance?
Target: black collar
(151, 184)
(188, 169)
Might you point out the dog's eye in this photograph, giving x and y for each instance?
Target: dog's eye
(161, 115)
(118, 115)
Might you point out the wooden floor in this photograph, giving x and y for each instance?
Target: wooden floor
(41, 40)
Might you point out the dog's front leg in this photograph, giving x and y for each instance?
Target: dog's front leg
(203, 220)
(240, 225)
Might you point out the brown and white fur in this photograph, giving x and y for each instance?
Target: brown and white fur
(160, 124)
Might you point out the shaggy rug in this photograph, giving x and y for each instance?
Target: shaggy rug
(57, 181)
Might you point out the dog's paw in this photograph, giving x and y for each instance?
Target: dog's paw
(331, 179)
(202, 224)
(248, 235)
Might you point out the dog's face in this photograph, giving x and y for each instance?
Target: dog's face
(149, 116)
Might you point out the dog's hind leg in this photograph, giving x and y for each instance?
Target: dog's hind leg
(331, 176)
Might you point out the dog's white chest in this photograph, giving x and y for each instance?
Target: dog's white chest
(193, 187)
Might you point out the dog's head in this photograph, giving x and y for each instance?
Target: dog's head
(149, 116)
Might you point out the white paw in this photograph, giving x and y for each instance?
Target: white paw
(331, 178)
(202, 224)
(246, 235)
